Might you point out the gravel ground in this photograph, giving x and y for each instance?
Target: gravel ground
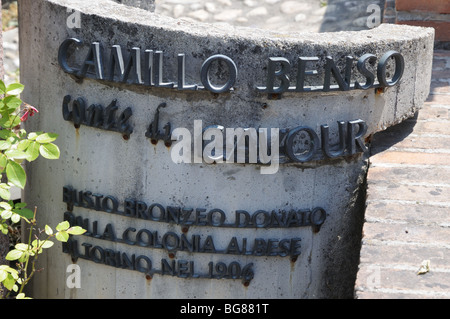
(10, 41)
(281, 15)
(11, 55)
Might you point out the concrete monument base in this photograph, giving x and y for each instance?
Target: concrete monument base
(143, 104)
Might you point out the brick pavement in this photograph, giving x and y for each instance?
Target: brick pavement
(407, 219)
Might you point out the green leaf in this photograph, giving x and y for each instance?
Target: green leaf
(6, 214)
(21, 247)
(16, 121)
(3, 161)
(2, 87)
(5, 205)
(14, 254)
(5, 193)
(4, 134)
(4, 145)
(76, 230)
(33, 151)
(20, 205)
(63, 225)
(9, 121)
(49, 151)
(6, 271)
(16, 174)
(33, 135)
(3, 275)
(42, 243)
(12, 102)
(9, 282)
(4, 118)
(14, 88)
(14, 273)
(48, 230)
(23, 145)
(46, 138)
(4, 185)
(24, 212)
(62, 235)
(47, 244)
(16, 154)
(15, 218)
(25, 256)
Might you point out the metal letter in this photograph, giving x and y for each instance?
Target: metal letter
(133, 67)
(182, 74)
(93, 58)
(399, 68)
(78, 111)
(148, 68)
(289, 145)
(62, 54)
(204, 74)
(302, 72)
(361, 65)
(158, 68)
(282, 74)
(67, 115)
(326, 143)
(356, 138)
(95, 115)
(330, 67)
(115, 62)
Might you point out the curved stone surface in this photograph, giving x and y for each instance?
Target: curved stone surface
(126, 164)
(142, 4)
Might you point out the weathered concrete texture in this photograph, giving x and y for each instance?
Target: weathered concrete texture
(407, 215)
(251, 51)
(141, 4)
(102, 162)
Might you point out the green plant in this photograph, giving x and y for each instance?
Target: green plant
(17, 146)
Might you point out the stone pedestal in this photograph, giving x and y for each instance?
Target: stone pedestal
(140, 102)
